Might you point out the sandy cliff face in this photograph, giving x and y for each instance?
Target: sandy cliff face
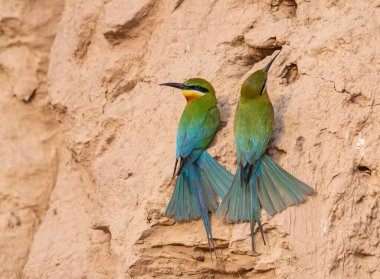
(29, 133)
(87, 159)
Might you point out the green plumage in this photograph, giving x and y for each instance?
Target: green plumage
(201, 181)
(253, 115)
(258, 182)
(199, 122)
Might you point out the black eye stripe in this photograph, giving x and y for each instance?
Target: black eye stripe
(262, 89)
(199, 88)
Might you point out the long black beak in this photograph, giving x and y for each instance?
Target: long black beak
(267, 66)
(175, 85)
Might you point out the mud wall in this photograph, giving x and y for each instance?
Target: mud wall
(88, 137)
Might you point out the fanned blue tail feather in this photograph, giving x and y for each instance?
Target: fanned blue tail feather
(216, 179)
(241, 204)
(278, 189)
(198, 188)
(270, 187)
(202, 204)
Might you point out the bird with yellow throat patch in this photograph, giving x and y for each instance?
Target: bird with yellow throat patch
(201, 180)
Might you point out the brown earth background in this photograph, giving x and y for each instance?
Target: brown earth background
(87, 140)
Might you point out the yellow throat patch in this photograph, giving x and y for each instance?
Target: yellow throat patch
(191, 94)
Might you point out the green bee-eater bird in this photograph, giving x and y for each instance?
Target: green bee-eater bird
(259, 182)
(201, 180)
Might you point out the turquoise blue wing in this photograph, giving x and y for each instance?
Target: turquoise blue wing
(250, 148)
(195, 132)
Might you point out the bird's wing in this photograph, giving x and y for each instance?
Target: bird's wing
(252, 134)
(195, 133)
(251, 148)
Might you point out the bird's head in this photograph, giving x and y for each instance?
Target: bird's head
(255, 85)
(193, 88)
